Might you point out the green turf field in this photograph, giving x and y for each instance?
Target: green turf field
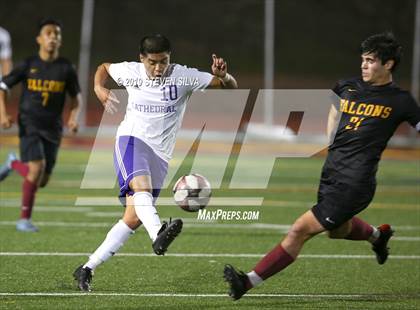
(35, 269)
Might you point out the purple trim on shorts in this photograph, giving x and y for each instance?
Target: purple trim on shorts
(133, 157)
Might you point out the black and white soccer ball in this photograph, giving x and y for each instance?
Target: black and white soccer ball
(192, 192)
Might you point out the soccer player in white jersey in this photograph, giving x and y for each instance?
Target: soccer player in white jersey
(5, 53)
(157, 95)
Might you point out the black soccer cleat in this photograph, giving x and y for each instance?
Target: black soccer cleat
(380, 246)
(83, 276)
(166, 235)
(237, 282)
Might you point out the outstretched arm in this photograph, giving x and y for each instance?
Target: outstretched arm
(75, 107)
(5, 119)
(332, 123)
(6, 66)
(6, 83)
(221, 79)
(105, 96)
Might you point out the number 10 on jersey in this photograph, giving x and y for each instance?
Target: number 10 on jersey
(169, 93)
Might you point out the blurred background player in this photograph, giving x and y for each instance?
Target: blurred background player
(46, 78)
(5, 52)
(372, 107)
(157, 98)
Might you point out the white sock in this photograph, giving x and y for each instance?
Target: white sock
(146, 212)
(254, 278)
(114, 240)
(375, 235)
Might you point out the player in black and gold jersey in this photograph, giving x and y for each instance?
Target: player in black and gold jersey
(370, 110)
(46, 78)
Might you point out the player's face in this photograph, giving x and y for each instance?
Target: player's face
(49, 38)
(373, 71)
(155, 64)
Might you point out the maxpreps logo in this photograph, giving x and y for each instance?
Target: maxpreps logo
(250, 168)
(219, 214)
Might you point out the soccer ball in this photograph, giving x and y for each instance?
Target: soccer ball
(192, 192)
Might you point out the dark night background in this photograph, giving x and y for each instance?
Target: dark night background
(317, 41)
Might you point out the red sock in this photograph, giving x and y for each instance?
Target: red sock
(28, 198)
(273, 262)
(20, 167)
(360, 230)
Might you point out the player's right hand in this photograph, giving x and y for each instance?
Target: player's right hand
(107, 98)
(6, 121)
(219, 66)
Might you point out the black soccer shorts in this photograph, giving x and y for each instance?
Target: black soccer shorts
(338, 202)
(34, 147)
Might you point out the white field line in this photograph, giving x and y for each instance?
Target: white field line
(169, 201)
(406, 238)
(205, 224)
(220, 201)
(15, 203)
(57, 209)
(104, 214)
(65, 183)
(117, 215)
(212, 255)
(112, 201)
(61, 224)
(315, 296)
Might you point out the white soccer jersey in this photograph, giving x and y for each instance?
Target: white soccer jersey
(5, 46)
(155, 108)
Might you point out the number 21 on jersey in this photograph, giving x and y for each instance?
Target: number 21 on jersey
(355, 122)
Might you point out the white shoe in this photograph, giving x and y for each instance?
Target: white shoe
(6, 168)
(26, 225)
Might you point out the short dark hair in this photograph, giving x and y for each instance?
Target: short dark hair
(153, 44)
(49, 21)
(384, 46)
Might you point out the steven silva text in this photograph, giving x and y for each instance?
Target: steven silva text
(164, 81)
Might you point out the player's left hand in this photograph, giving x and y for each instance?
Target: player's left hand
(6, 121)
(219, 66)
(73, 126)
